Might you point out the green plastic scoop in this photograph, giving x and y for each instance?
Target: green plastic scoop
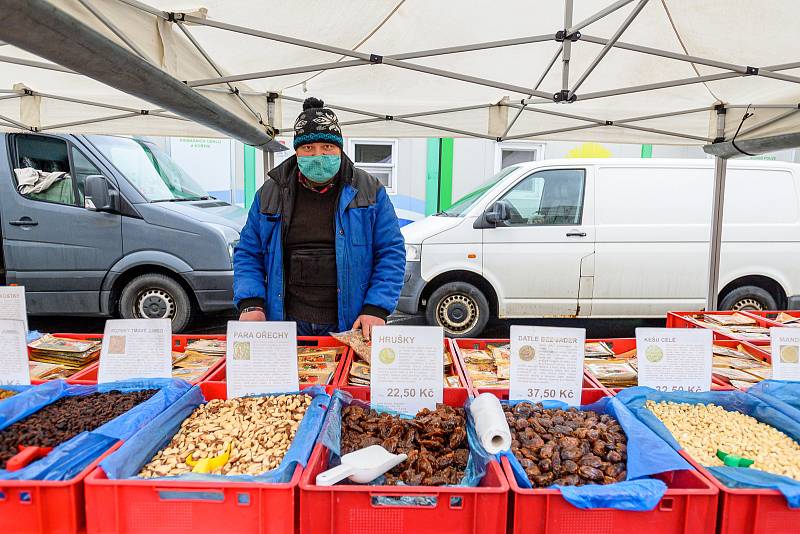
(732, 460)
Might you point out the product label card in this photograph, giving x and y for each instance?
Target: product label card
(12, 304)
(407, 368)
(261, 358)
(14, 369)
(547, 363)
(136, 348)
(785, 353)
(674, 359)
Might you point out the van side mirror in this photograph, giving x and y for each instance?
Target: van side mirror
(98, 196)
(498, 212)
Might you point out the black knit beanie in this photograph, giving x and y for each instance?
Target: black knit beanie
(317, 124)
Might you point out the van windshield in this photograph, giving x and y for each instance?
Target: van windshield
(151, 171)
(463, 204)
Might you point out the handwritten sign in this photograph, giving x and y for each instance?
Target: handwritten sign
(12, 304)
(136, 348)
(785, 353)
(14, 368)
(547, 363)
(261, 357)
(674, 359)
(407, 367)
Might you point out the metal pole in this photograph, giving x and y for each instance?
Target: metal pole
(37, 64)
(567, 47)
(538, 83)
(661, 132)
(768, 122)
(557, 130)
(662, 115)
(147, 9)
(599, 15)
(660, 85)
(15, 123)
(617, 34)
(556, 113)
(715, 241)
(115, 30)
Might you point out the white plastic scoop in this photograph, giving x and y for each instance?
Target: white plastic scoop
(361, 466)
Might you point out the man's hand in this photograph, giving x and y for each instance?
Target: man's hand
(253, 316)
(366, 322)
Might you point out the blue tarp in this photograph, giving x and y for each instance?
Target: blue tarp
(73, 456)
(784, 395)
(332, 432)
(647, 455)
(737, 401)
(129, 459)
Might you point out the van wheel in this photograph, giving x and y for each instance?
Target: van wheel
(460, 308)
(748, 298)
(155, 296)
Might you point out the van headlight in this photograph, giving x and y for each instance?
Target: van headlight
(232, 247)
(413, 252)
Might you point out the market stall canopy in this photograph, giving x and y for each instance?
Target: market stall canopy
(642, 71)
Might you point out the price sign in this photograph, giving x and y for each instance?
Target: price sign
(785, 353)
(136, 348)
(12, 304)
(14, 369)
(261, 357)
(407, 368)
(547, 363)
(674, 359)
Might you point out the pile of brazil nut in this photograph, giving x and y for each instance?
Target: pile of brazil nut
(259, 431)
(435, 442)
(66, 418)
(703, 429)
(567, 447)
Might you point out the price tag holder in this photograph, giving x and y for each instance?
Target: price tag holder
(547, 364)
(261, 357)
(12, 305)
(674, 359)
(785, 353)
(14, 368)
(407, 368)
(136, 348)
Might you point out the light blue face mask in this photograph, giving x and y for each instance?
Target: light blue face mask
(319, 169)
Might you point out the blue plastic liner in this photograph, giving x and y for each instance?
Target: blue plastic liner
(127, 461)
(18, 388)
(332, 433)
(647, 455)
(73, 456)
(737, 401)
(783, 395)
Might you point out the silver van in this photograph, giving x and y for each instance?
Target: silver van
(111, 226)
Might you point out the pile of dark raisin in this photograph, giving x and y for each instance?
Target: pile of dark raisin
(567, 447)
(66, 418)
(435, 442)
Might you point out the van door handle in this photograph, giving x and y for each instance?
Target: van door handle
(25, 221)
(576, 234)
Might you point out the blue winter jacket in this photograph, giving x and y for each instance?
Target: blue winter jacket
(370, 251)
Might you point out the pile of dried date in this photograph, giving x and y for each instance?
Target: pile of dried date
(567, 447)
(435, 442)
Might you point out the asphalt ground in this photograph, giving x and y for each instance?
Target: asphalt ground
(595, 328)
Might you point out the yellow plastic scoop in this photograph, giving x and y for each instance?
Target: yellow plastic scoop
(207, 465)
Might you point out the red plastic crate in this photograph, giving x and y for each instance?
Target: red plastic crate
(751, 511)
(220, 374)
(769, 316)
(45, 507)
(354, 509)
(690, 319)
(174, 506)
(466, 343)
(688, 507)
(179, 343)
(751, 349)
(448, 346)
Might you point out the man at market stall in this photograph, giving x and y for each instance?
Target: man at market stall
(322, 245)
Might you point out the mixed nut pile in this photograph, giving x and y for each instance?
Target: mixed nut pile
(567, 447)
(435, 442)
(6, 393)
(703, 429)
(66, 418)
(258, 431)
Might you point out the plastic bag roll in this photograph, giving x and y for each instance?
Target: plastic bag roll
(490, 423)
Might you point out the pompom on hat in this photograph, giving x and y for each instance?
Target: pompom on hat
(317, 124)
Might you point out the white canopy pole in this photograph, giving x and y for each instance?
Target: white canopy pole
(715, 241)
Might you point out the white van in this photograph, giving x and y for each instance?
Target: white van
(605, 238)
